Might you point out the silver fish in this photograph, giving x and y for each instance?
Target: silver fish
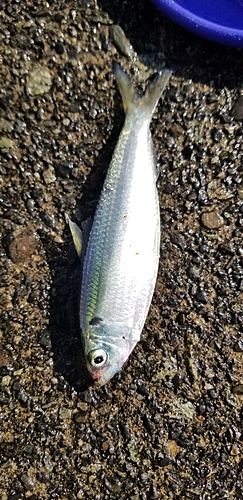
(121, 254)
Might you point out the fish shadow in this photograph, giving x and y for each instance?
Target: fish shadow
(65, 268)
(68, 357)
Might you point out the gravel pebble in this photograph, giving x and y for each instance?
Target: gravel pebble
(238, 389)
(65, 413)
(23, 246)
(193, 273)
(38, 81)
(212, 220)
(240, 193)
(49, 175)
(121, 42)
(237, 110)
(201, 297)
(6, 143)
(27, 482)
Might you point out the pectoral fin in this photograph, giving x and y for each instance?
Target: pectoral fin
(76, 235)
(80, 236)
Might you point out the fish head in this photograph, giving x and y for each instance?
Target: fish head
(107, 347)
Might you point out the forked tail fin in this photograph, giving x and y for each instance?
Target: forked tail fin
(130, 97)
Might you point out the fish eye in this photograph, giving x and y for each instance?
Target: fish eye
(97, 358)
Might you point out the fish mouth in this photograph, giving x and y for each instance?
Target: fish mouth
(103, 375)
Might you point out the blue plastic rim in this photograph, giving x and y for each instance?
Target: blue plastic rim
(217, 20)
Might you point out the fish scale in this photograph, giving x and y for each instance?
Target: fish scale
(121, 258)
(118, 267)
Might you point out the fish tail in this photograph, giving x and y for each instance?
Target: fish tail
(155, 89)
(130, 98)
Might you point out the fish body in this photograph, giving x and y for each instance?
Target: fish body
(120, 261)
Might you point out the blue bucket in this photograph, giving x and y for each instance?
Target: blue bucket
(217, 20)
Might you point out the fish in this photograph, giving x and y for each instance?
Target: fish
(119, 249)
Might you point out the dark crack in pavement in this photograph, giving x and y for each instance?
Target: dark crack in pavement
(169, 425)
